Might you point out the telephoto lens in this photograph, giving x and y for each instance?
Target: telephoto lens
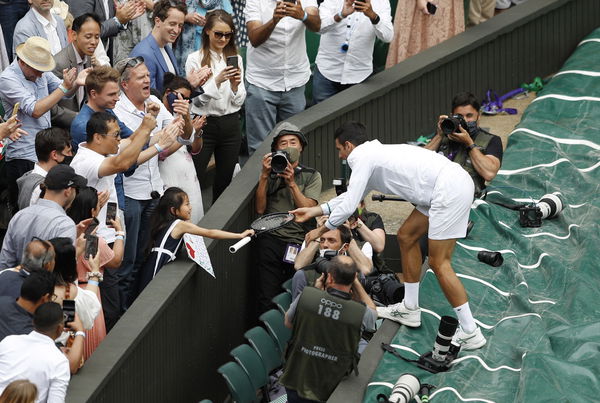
(550, 205)
(406, 387)
(279, 161)
(452, 123)
(446, 331)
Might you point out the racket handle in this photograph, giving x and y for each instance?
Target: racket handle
(239, 244)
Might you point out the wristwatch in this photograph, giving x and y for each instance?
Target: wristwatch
(472, 146)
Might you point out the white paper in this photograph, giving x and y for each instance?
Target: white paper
(196, 250)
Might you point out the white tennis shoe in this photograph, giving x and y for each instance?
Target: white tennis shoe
(469, 341)
(401, 314)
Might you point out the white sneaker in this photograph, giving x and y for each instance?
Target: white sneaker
(469, 341)
(401, 314)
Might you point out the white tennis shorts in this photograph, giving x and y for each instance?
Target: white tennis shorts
(450, 204)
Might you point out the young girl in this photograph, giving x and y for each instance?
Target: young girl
(170, 223)
(224, 95)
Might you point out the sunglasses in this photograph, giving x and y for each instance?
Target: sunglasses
(133, 62)
(220, 35)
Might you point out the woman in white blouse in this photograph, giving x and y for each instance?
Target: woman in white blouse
(223, 96)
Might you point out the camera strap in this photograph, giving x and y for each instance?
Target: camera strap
(392, 350)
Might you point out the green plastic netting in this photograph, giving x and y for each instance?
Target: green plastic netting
(540, 310)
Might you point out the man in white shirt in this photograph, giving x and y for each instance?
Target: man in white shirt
(39, 21)
(52, 147)
(35, 357)
(442, 192)
(277, 64)
(145, 186)
(348, 32)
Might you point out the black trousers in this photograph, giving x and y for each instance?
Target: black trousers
(14, 170)
(111, 298)
(272, 270)
(223, 137)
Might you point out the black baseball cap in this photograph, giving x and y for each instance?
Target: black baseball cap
(288, 128)
(63, 176)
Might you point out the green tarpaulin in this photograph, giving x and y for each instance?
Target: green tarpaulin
(540, 310)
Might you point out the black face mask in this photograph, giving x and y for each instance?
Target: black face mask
(67, 160)
(472, 128)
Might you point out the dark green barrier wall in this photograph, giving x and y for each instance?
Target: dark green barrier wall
(169, 344)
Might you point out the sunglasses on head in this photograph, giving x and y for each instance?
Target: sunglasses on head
(226, 35)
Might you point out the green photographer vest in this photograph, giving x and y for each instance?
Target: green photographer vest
(482, 140)
(323, 349)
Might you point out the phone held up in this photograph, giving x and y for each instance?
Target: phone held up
(232, 61)
(111, 212)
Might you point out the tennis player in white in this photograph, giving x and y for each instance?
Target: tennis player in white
(441, 191)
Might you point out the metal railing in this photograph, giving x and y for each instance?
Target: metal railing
(166, 348)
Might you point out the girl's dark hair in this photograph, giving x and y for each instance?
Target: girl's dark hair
(85, 201)
(65, 266)
(173, 198)
(211, 19)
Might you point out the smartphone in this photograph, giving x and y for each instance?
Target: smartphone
(171, 97)
(431, 8)
(91, 246)
(15, 109)
(92, 226)
(232, 61)
(111, 212)
(69, 310)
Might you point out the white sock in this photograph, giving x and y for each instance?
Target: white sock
(465, 318)
(411, 295)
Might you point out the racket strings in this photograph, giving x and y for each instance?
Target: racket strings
(271, 222)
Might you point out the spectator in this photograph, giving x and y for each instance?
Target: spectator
(114, 18)
(328, 317)
(297, 186)
(474, 149)
(369, 232)
(98, 161)
(481, 11)
(155, 48)
(277, 63)
(223, 96)
(144, 187)
(28, 81)
(86, 205)
(337, 242)
(38, 255)
(355, 27)
(4, 62)
(46, 219)
(16, 314)
(79, 54)
(52, 147)
(34, 356)
(10, 13)
(21, 391)
(136, 30)
(169, 224)
(195, 21)
(39, 21)
(178, 170)
(415, 29)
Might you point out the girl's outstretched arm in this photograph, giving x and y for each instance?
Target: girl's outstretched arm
(185, 227)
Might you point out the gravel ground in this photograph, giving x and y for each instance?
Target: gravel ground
(394, 213)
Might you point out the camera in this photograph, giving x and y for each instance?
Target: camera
(322, 263)
(384, 288)
(452, 123)
(340, 185)
(531, 215)
(279, 161)
(68, 310)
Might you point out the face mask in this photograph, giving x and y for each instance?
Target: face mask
(67, 160)
(294, 154)
(472, 127)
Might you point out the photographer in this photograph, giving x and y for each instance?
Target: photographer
(294, 186)
(474, 149)
(327, 326)
(310, 259)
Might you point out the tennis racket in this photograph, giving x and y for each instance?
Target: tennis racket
(266, 223)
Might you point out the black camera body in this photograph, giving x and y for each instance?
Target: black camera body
(530, 215)
(384, 288)
(322, 263)
(452, 123)
(340, 185)
(279, 161)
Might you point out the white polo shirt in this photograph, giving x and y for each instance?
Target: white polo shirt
(356, 64)
(35, 357)
(87, 164)
(281, 62)
(146, 177)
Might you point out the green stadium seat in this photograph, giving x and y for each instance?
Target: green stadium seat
(206, 401)
(283, 301)
(238, 383)
(273, 321)
(266, 348)
(251, 362)
(287, 286)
